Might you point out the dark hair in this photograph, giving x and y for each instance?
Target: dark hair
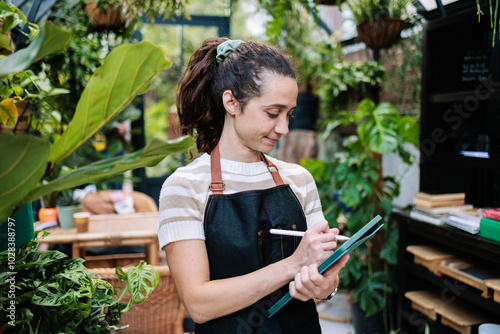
(199, 96)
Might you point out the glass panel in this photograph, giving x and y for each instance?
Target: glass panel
(203, 7)
(159, 101)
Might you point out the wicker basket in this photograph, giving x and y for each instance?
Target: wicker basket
(111, 19)
(380, 34)
(161, 313)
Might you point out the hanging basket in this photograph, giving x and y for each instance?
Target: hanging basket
(380, 34)
(110, 19)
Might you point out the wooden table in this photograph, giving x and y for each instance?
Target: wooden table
(112, 230)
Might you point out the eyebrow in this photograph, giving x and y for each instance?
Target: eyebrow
(278, 105)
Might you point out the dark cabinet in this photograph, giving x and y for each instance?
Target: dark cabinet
(412, 277)
(460, 108)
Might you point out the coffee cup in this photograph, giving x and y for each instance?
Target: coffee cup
(81, 221)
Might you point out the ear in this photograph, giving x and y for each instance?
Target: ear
(230, 103)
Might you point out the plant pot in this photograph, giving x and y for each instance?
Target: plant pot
(101, 19)
(380, 34)
(23, 120)
(65, 214)
(373, 324)
(305, 114)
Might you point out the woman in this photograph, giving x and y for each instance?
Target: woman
(216, 212)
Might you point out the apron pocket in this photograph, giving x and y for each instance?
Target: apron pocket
(273, 248)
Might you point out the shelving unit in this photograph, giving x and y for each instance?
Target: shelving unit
(412, 277)
(460, 104)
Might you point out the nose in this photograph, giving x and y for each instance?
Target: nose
(281, 127)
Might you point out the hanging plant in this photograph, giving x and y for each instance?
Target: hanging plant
(105, 14)
(379, 22)
(494, 19)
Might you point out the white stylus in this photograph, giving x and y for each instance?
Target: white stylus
(301, 234)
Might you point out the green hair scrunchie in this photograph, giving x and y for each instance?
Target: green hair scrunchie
(226, 48)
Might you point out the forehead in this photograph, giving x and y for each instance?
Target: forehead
(275, 86)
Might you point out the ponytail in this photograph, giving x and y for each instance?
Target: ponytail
(195, 105)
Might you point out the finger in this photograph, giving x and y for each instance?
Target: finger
(335, 269)
(294, 292)
(335, 231)
(321, 226)
(318, 281)
(306, 287)
(316, 278)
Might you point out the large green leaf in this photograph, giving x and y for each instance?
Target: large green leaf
(23, 163)
(50, 39)
(409, 130)
(154, 152)
(126, 72)
(378, 130)
(56, 39)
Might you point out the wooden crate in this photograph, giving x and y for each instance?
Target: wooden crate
(429, 257)
(495, 286)
(425, 301)
(461, 317)
(471, 275)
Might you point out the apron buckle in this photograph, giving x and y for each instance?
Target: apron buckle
(272, 171)
(220, 186)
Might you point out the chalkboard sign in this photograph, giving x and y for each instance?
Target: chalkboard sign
(476, 65)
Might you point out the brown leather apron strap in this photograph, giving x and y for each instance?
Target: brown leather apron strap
(273, 170)
(217, 186)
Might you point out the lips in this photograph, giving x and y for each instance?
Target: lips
(274, 141)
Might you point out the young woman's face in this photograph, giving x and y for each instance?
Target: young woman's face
(264, 119)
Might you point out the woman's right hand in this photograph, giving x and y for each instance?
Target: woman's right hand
(317, 244)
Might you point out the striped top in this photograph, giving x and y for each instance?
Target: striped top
(185, 193)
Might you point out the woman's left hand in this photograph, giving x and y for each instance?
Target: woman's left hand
(309, 283)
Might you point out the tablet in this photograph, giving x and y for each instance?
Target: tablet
(357, 239)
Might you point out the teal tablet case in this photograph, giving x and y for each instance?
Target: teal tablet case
(357, 239)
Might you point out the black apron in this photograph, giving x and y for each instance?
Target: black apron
(238, 242)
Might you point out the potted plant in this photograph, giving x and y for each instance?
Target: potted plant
(378, 22)
(105, 13)
(51, 293)
(67, 204)
(362, 192)
(116, 13)
(345, 83)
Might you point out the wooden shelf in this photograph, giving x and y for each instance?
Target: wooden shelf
(461, 96)
(426, 276)
(457, 159)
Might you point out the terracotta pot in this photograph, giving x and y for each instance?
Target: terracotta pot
(380, 34)
(100, 19)
(23, 121)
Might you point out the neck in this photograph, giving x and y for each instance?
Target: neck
(230, 149)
